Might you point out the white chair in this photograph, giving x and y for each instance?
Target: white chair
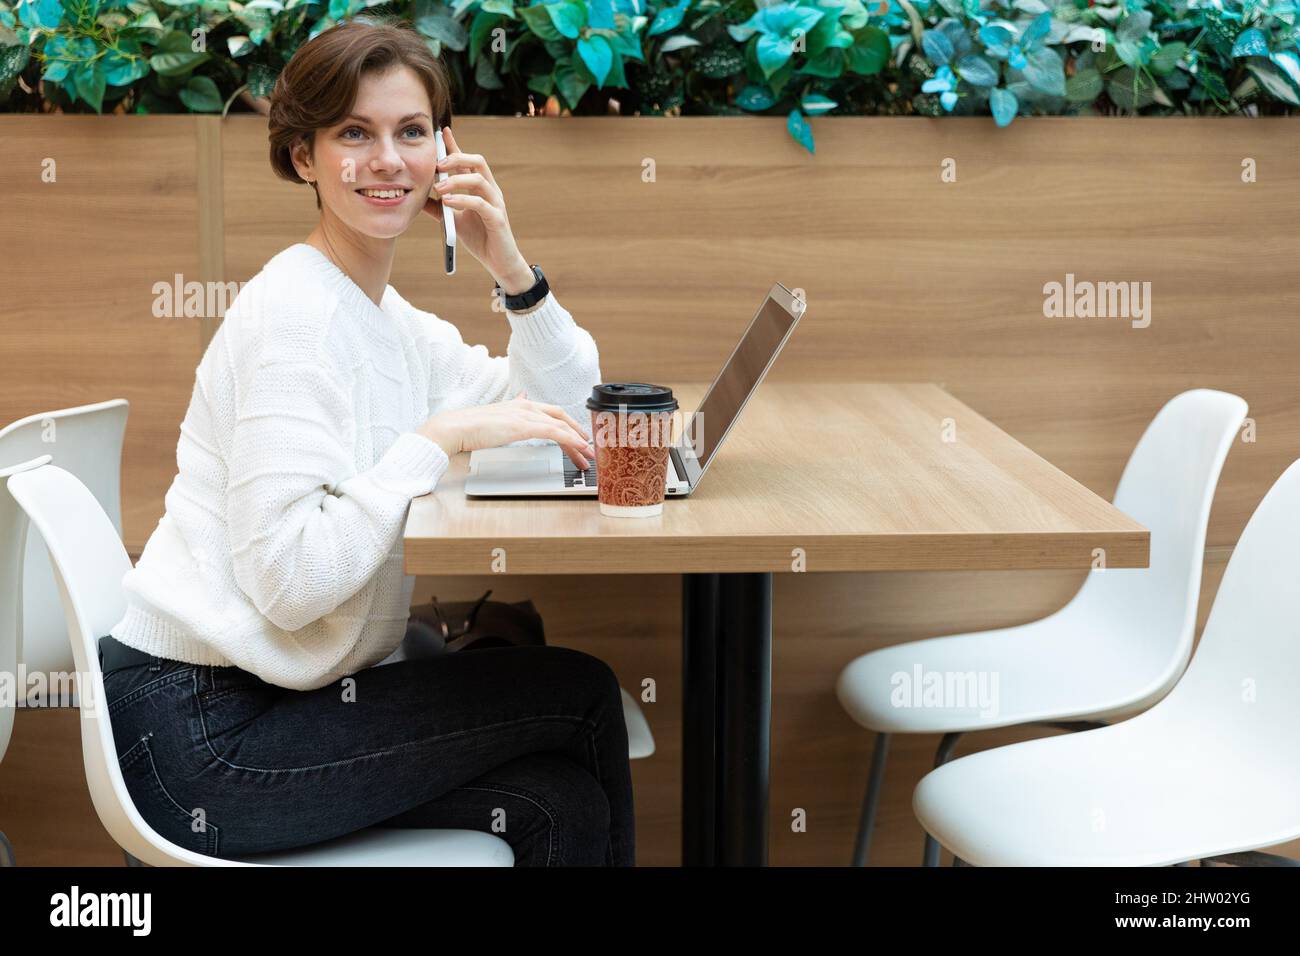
(13, 531)
(1116, 648)
(1209, 773)
(87, 441)
(640, 742)
(89, 562)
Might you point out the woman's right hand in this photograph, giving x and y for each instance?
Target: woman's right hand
(487, 426)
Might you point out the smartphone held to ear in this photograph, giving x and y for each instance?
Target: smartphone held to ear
(448, 215)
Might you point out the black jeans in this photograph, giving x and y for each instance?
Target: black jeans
(528, 743)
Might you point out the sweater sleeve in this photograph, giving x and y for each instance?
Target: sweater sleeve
(307, 531)
(549, 355)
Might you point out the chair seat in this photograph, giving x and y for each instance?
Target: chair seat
(395, 846)
(1132, 794)
(1054, 669)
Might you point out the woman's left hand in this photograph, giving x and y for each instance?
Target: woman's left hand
(482, 227)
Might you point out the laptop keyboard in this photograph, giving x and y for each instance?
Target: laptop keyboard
(573, 478)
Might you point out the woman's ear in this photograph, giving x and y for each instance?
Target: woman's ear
(300, 153)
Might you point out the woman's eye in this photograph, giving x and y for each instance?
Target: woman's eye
(350, 129)
(419, 130)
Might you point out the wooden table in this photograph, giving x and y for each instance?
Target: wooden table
(814, 477)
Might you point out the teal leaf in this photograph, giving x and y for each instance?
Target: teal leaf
(977, 70)
(815, 104)
(669, 17)
(1135, 26)
(773, 51)
(1004, 105)
(567, 17)
(1045, 72)
(938, 48)
(755, 99)
(596, 53)
(1250, 43)
(600, 14)
(800, 130)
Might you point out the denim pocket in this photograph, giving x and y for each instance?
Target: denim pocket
(189, 829)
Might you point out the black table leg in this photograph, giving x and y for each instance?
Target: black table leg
(727, 717)
(699, 718)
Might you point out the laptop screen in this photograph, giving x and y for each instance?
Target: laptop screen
(739, 377)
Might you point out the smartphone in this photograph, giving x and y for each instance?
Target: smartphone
(448, 215)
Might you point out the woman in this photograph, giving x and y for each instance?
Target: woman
(248, 713)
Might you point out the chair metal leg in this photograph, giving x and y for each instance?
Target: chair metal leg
(871, 802)
(941, 757)
(7, 857)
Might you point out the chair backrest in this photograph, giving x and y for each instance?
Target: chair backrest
(86, 441)
(1168, 486)
(13, 533)
(89, 561)
(1243, 684)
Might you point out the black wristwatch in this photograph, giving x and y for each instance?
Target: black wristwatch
(529, 297)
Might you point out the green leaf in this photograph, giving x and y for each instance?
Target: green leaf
(479, 31)
(1131, 91)
(1165, 60)
(261, 79)
(504, 7)
(718, 62)
(570, 85)
(201, 95)
(1084, 87)
(12, 61)
(450, 33)
(90, 84)
(485, 75)
(869, 53)
(175, 55)
(539, 22)
(543, 83)
(596, 53)
(1274, 81)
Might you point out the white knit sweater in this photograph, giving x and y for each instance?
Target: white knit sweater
(280, 551)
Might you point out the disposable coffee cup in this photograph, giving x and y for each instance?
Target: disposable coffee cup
(632, 429)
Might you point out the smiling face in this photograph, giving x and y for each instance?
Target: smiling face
(374, 169)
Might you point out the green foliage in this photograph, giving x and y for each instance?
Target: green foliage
(793, 58)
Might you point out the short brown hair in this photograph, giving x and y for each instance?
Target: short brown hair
(318, 86)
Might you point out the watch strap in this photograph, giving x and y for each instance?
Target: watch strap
(529, 297)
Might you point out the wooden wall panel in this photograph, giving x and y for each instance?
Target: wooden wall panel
(908, 278)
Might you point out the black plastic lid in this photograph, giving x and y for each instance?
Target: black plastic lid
(636, 396)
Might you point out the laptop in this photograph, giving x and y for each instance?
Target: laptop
(545, 470)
